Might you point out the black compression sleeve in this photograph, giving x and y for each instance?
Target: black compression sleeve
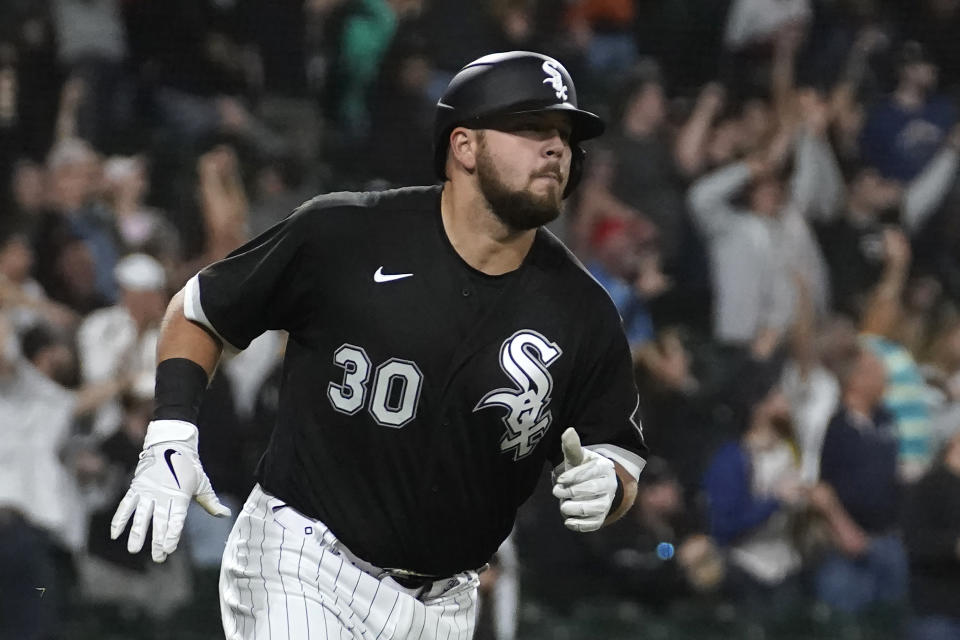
(179, 390)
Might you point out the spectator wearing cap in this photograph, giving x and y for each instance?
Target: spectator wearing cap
(860, 492)
(903, 132)
(123, 338)
(618, 266)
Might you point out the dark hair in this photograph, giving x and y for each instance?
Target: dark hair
(656, 471)
(912, 52)
(754, 381)
(290, 168)
(644, 73)
(854, 168)
(37, 338)
(11, 229)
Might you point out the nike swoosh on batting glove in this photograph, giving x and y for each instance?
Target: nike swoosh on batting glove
(587, 486)
(167, 477)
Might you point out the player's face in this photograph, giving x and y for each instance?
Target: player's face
(522, 168)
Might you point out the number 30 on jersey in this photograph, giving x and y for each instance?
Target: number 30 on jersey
(394, 393)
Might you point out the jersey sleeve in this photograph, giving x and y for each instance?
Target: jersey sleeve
(260, 286)
(605, 407)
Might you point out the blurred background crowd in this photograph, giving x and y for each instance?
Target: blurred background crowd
(774, 210)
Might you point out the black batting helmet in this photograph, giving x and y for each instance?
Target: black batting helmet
(508, 83)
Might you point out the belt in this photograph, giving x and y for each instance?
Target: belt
(406, 578)
(412, 580)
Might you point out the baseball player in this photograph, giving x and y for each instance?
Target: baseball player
(443, 347)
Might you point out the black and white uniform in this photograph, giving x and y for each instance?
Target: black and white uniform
(420, 401)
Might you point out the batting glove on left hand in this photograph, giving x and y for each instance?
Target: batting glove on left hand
(586, 487)
(167, 477)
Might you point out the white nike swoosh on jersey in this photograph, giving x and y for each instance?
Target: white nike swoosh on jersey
(380, 276)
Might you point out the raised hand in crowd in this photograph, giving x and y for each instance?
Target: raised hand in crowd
(224, 201)
(691, 145)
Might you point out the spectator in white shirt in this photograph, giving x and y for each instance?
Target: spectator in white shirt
(123, 338)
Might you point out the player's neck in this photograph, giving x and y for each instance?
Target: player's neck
(480, 237)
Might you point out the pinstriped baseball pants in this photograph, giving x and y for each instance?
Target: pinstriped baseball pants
(285, 577)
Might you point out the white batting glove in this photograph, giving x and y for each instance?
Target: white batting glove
(586, 487)
(168, 476)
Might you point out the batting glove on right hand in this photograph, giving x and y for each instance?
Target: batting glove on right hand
(586, 487)
(167, 477)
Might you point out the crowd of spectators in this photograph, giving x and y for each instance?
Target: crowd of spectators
(774, 210)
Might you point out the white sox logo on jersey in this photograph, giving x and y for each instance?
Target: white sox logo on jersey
(524, 357)
(554, 79)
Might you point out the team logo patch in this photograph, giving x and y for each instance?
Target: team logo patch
(554, 79)
(524, 357)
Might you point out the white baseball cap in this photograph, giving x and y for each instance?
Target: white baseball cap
(140, 272)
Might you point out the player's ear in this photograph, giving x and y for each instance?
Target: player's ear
(463, 148)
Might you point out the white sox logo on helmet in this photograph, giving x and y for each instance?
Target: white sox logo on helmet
(524, 357)
(554, 79)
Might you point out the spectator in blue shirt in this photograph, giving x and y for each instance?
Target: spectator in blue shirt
(631, 275)
(753, 486)
(905, 131)
(859, 463)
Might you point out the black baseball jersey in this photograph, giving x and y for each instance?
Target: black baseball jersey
(420, 397)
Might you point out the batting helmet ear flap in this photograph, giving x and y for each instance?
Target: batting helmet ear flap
(578, 155)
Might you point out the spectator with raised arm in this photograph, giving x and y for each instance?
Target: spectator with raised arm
(92, 46)
(859, 77)
(644, 176)
(753, 249)
(906, 395)
(852, 240)
(141, 228)
(40, 507)
(903, 132)
(692, 148)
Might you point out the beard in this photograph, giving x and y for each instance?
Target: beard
(519, 209)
